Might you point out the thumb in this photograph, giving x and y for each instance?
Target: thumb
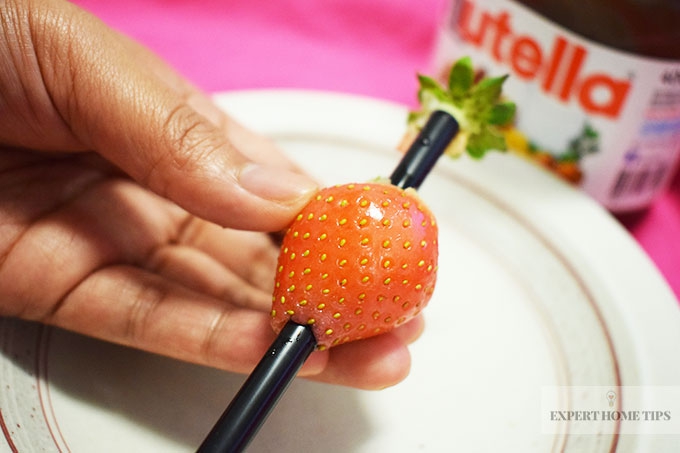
(129, 107)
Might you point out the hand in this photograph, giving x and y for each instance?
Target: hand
(132, 209)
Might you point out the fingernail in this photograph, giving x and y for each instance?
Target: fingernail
(275, 183)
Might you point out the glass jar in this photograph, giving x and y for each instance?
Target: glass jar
(597, 86)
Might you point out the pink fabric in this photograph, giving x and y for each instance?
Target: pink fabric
(371, 47)
(367, 47)
(658, 232)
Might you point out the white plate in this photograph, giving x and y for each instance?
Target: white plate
(538, 287)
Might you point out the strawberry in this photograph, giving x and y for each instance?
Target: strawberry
(359, 260)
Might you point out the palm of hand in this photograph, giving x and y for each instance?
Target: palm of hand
(86, 248)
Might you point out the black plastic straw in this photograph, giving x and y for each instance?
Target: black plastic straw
(421, 156)
(259, 394)
(269, 380)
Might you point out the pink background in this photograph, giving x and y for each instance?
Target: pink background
(367, 47)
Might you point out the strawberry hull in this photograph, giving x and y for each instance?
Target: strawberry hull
(359, 260)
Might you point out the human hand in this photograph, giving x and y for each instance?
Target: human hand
(132, 209)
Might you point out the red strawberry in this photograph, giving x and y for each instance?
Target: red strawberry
(357, 261)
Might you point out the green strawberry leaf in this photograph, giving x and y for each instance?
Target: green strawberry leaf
(486, 140)
(502, 113)
(488, 90)
(477, 106)
(461, 78)
(430, 87)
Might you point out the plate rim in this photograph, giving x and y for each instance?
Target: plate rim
(363, 108)
(660, 312)
(642, 318)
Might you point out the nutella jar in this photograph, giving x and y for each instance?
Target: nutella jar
(597, 86)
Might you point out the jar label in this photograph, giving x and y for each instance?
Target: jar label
(604, 119)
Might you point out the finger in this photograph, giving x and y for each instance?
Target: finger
(148, 312)
(412, 330)
(250, 255)
(255, 146)
(373, 363)
(143, 310)
(200, 272)
(121, 109)
(106, 221)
